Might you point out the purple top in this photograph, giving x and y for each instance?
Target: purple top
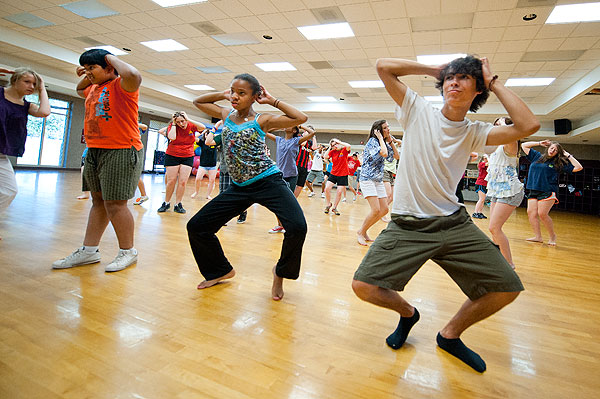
(13, 126)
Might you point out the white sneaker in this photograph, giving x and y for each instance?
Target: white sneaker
(344, 199)
(311, 194)
(77, 258)
(277, 229)
(124, 258)
(140, 200)
(322, 195)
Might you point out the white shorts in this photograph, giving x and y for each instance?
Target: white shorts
(372, 188)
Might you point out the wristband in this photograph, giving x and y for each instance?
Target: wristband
(492, 82)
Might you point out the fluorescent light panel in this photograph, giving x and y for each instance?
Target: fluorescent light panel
(275, 66)
(529, 81)
(162, 71)
(570, 13)
(363, 84)
(438, 59)
(326, 31)
(165, 45)
(199, 87)
(111, 49)
(322, 99)
(174, 3)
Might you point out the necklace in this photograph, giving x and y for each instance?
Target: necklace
(240, 116)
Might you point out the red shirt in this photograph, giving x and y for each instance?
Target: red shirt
(183, 145)
(111, 116)
(340, 162)
(353, 164)
(482, 174)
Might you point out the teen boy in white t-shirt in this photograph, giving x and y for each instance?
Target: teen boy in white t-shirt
(428, 222)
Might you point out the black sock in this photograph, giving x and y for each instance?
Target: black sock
(397, 338)
(456, 348)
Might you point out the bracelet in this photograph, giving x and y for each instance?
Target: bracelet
(276, 103)
(492, 82)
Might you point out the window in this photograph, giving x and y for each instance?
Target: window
(156, 142)
(45, 143)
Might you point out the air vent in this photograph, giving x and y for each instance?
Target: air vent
(303, 90)
(321, 64)
(89, 41)
(560, 55)
(348, 95)
(328, 15)
(302, 85)
(208, 28)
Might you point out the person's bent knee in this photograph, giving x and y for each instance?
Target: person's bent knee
(362, 290)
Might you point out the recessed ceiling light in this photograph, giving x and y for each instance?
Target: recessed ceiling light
(111, 49)
(363, 84)
(173, 3)
(164, 45)
(569, 13)
(89, 9)
(529, 81)
(435, 99)
(267, 37)
(529, 17)
(438, 59)
(199, 87)
(322, 99)
(326, 31)
(275, 66)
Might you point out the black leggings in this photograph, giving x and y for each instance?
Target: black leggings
(273, 193)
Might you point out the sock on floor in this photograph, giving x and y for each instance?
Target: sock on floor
(89, 249)
(397, 338)
(456, 348)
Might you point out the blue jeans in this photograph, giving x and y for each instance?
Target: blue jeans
(271, 192)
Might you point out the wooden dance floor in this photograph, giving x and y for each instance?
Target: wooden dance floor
(146, 332)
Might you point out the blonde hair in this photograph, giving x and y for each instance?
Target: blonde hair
(22, 71)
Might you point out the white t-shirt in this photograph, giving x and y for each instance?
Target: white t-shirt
(435, 153)
(317, 162)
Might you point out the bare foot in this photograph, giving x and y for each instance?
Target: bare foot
(277, 288)
(194, 194)
(82, 197)
(535, 239)
(362, 240)
(210, 283)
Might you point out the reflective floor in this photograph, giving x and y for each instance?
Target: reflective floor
(146, 332)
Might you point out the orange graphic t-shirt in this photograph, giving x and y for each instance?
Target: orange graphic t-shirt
(111, 116)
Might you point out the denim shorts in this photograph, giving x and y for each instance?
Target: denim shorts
(514, 200)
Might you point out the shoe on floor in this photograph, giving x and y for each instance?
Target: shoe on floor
(140, 200)
(179, 208)
(482, 216)
(311, 194)
(277, 229)
(77, 258)
(322, 195)
(242, 218)
(164, 207)
(125, 257)
(344, 199)
(335, 212)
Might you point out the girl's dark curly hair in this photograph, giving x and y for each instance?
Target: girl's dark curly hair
(468, 65)
(252, 81)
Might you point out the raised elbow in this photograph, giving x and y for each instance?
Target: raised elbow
(302, 118)
(577, 169)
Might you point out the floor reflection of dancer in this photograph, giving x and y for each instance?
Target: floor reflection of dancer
(379, 147)
(255, 177)
(505, 190)
(542, 183)
(427, 220)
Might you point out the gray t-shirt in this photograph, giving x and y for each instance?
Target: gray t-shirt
(435, 153)
(287, 153)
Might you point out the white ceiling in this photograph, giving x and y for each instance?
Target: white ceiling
(389, 28)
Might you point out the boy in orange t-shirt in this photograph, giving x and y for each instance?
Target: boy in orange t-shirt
(114, 161)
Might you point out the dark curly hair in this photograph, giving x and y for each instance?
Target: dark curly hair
(95, 56)
(469, 65)
(252, 81)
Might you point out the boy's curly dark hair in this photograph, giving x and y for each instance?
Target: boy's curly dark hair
(95, 56)
(469, 65)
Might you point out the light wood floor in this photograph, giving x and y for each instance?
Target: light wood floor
(146, 332)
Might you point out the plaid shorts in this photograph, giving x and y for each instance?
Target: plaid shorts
(113, 172)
